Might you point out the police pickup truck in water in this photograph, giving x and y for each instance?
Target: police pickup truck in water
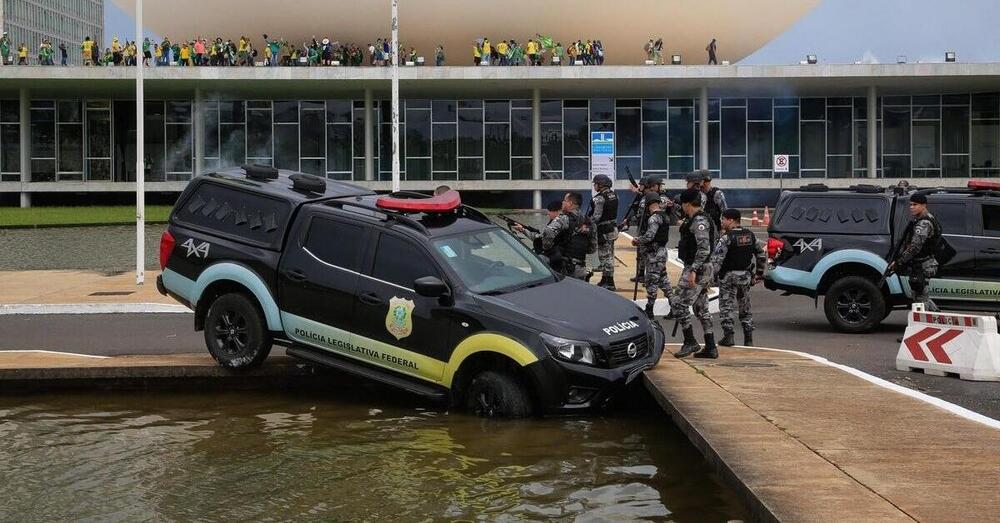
(422, 293)
(835, 243)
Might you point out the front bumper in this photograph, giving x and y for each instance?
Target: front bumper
(564, 387)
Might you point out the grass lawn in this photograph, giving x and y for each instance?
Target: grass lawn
(97, 215)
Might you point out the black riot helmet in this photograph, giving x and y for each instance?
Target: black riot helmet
(602, 180)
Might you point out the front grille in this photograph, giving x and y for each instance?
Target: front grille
(617, 353)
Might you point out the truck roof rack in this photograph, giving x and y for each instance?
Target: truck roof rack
(814, 187)
(256, 171)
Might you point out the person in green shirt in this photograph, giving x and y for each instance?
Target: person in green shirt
(5, 50)
(558, 52)
(165, 45)
(145, 52)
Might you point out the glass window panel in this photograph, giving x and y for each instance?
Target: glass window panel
(838, 167)
(838, 130)
(759, 109)
(786, 101)
(734, 132)
(714, 145)
(520, 168)
(470, 168)
(926, 144)
(860, 108)
(69, 111)
(896, 166)
(602, 110)
(445, 147)
(896, 100)
(418, 169)
(681, 121)
(499, 111)
(359, 168)
(654, 146)
(861, 145)
(986, 105)
(71, 148)
(470, 104)
(839, 101)
(955, 99)
(43, 134)
(470, 133)
(574, 104)
(734, 102)
(232, 141)
(311, 135)
(179, 148)
(99, 170)
(418, 103)
(258, 133)
(813, 145)
(258, 104)
(43, 170)
(311, 105)
(813, 109)
(520, 132)
(178, 111)
(418, 133)
(734, 167)
(985, 143)
(10, 111)
(498, 175)
(926, 113)
(759, 149)
(286, 146)
(210, 129)
(955, 166)
(551, 111)
(955, 130)
(576, 169)
(286, 112)
(385, 112)
(232, 111)
(552, 148)
(576, 134)
(628, 138)
(339, 111)
(793, 169)
(317, 166)
(786, 130)
(896, 130)
(628, 166)
(623, 102)
(654, 110)
(338, 147)
(713, 109)
(524, 104)
(443, 110)
(759, 174)
(99, 133)
(445, 176)
(681, 164)
(497, 147)
(10, 148)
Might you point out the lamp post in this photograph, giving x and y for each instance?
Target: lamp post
(395, 95)
(140, 172)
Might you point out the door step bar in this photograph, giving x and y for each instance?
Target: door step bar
(324, 358)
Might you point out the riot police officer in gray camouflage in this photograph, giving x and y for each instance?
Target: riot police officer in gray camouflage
(695, 250)
(652, 245)
(916, 255)
(603, 214)
(738, 263)
(574, 236)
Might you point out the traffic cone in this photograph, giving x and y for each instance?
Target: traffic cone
(755, 221)
(767, 217)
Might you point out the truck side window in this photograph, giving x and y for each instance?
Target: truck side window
(951, 216)
(335, 242)
(991, 220)
(399, 262)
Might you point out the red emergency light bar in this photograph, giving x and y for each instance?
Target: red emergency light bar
(983, 184)
(446, 202)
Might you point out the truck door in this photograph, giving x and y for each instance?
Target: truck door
(956, 219)
(988, 245)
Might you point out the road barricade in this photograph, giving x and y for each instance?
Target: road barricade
(942, 343)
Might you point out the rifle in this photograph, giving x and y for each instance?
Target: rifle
(512, 222)
(889, 261)
(536, 242)
(636, 202)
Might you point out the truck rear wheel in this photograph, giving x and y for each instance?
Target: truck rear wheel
(493, 394)
(235, 333)
(854, 304)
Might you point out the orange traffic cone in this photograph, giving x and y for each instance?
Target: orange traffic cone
(755, 221)
(767, 217)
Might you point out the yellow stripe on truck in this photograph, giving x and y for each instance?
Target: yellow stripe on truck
(486, 342)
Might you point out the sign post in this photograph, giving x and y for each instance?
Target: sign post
(140, 167)
(602, 154)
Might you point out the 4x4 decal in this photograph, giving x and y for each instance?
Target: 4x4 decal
(808, 246)
(199, 251)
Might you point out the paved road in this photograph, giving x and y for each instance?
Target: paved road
(783, 322)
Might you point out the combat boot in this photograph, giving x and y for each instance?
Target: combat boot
(710, 350)
(649, 310)
(748, 337)
(690, 344)
(727, 340)
(610, 284)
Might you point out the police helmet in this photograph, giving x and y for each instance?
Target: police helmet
(694, 177)
(654, 180)
(704, 174)
(650, 198)
(692, 196)
(602, 180)
(732, 214)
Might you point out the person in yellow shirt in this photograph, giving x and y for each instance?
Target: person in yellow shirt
(87, 50)
(186, 55)
(487, 51)
(242, 51)
(502, 51)
(116, 51)
(477, 54)
(22, 55)
(532, 49)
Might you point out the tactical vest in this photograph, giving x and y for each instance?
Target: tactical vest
(609, 214)
(687, 247)
(739, 257)
(932, 245)
(712, 208)
(662, 235)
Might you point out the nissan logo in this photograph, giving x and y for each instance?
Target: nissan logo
(632, 350)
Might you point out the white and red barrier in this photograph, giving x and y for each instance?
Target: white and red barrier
(942, 343)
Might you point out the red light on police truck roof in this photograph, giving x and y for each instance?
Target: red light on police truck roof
(446, 202)
(983, 184)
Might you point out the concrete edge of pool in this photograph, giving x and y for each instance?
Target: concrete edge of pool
(798, 440)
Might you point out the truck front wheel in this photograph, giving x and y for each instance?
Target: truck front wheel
(854, 304)
(235, 332)
(493, 394)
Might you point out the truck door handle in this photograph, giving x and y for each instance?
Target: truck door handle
(990, 251)
(371, 299)
(296, 275)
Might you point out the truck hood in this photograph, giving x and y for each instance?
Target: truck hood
(571, 309)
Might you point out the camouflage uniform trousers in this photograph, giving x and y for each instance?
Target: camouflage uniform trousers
(656, 277)
(920, 272)
(734, 299)
(606, 252)
(694, 297)
(575, 269)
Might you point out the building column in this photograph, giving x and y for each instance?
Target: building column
(369, 138)
(24, 106)
(536, 144)
(872, 132)
(199, 132)
(703, 129)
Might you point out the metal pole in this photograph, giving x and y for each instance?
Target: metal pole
(395, 95)
(369, 138)
(140, 157)
(703, 129)
(872, 132)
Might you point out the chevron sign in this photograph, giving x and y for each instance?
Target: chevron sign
(933, 340)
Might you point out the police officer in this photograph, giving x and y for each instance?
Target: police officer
(553, 209)
(715, 200)
(604, 213)
(693, 182)
(921, 242)
(572, 234)
(652, 245)
(738, 263)
(695, 250)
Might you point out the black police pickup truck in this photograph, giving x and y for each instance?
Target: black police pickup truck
(422, 293)
(835, 243)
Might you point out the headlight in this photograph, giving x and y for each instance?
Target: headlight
(569, 350)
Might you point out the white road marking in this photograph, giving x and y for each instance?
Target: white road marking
(55, 352)
(662, 307)
(93, 308)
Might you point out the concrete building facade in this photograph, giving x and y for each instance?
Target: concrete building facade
(60, 21)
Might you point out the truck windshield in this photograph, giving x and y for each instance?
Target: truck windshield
(492, 261)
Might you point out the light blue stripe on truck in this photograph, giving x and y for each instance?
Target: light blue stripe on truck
(192, 290)
(810, 279)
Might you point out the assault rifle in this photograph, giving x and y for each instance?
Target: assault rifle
(636, 202)
(536, 242)
(512, 222)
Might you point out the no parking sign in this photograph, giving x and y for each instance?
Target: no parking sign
(781, 163)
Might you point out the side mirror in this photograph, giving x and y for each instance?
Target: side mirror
(431, 287)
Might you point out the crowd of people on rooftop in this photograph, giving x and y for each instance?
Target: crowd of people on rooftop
(537, 51)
